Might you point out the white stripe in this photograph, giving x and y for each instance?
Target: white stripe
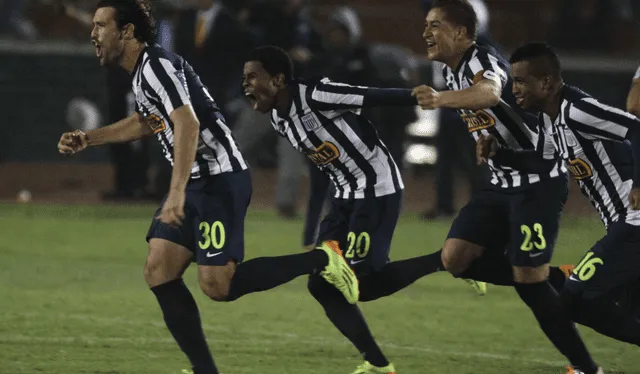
(596, 123)
(232, 143)
(637, 75)
(497, 69)
(223, 156)
(153, 81)
(622, 189)
(474, 64)
(182, 89)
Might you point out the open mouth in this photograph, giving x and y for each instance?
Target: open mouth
(252, 99)
(430, 44)
(519, 100)
(98, 49)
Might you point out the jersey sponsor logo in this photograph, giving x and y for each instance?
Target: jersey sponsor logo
(156, 123)
(580, 169)
(324, 154)
(478, 120)
(309, 122)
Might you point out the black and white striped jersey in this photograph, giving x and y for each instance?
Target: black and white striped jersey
(163, 82)
(513, 127)
(325, 123)
(593, 139)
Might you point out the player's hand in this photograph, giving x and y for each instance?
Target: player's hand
(634, 198)
(427, 97)
(173, 209)
(72, 142)
(486, 147)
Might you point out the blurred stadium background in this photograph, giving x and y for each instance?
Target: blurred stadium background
(50, 83)
(71, 288)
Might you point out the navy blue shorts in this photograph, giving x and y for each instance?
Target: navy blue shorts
(522, 223)
(364, 229)
(213, 227)
(612, 263)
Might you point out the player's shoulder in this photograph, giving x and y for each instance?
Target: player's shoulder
(156, 54)
(574, 94)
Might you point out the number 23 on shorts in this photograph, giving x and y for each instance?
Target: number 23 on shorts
(529, 242)
(213, 235)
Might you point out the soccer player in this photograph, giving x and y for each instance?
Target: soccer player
(202, 217)
(323, 120)
(633, 99)
(591, 137)
(518, 213)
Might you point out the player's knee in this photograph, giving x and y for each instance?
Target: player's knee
(530, 275)
(457, 256)
(215, 281)
(155, 273)
(216, 291)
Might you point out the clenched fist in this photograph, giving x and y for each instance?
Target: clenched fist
(427, 97)
(486, 147)
(72, 142)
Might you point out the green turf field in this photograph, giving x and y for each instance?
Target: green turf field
(73, 300)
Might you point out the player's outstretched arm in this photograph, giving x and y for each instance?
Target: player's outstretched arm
(334, 96)
(128, 129)
(526, 160)
(482, 95)
(633, 99)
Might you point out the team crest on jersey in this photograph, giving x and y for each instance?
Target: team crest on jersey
(309, 122)
(580, 169)
(478, 120)
(156, 123)
(324, 154)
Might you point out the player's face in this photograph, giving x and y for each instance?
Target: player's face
(528, 89)
(260, 87)
(106, 36)
(440, 35)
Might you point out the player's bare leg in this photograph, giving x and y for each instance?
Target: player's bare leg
(545, 303)
(163, 271)
(457, 256)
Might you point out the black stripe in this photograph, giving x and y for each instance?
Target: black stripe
(514, 128)
(166, 82)
(221, 136)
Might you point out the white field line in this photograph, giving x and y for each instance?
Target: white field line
(276, 338)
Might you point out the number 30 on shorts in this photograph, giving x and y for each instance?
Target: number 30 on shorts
(528, 243)
(213, 235)
(358, 245)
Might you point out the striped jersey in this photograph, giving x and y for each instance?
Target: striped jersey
(163, 82)
(325, 123)
(513, 127)
(591, 138)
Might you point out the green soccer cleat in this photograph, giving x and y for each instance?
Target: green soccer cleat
(479, 287)
(367, 368)
(338, 273)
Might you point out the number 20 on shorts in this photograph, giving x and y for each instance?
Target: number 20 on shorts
(213, 235)
(358, 245)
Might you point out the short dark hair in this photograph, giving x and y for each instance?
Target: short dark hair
(546, 58)
(135, 12)
(460, 13)
(274, 60)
